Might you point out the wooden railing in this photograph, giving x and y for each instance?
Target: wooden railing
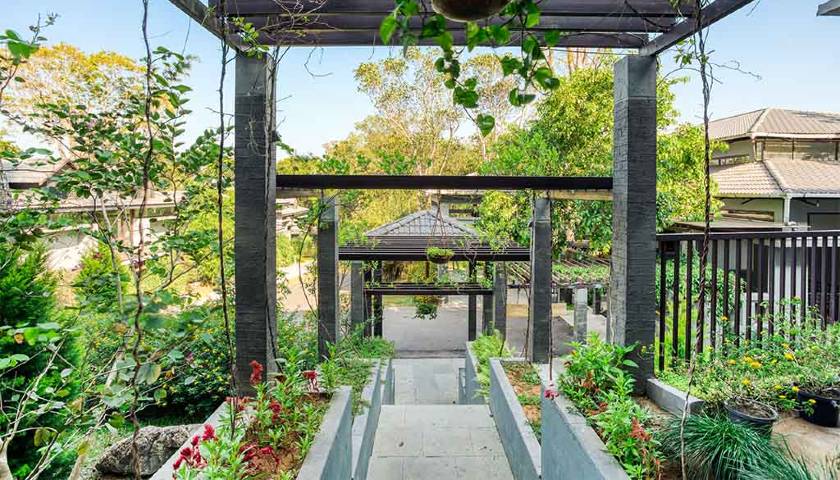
(754, 279)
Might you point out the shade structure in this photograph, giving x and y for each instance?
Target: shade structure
(650, 26)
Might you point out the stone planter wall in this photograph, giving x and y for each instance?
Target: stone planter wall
(671, 399)
(468, 386)
(518, 439)
(331, 455)
(365, 423)
(570, 447)
(165, 472)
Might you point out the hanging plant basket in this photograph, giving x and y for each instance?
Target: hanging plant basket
(439, 256)
(468, 10)
(426, 306)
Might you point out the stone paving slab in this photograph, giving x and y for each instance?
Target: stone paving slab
(427, 380)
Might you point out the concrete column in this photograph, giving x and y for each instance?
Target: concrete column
(539, 315)
(500, 299)
(327, 276)
(357, 295)
(368, 277)
(632, 299)
(487, 305)
(581, 313)
(471, 308)
(378, 308)
(255, 185)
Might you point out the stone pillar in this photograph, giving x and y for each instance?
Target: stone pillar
(500, 299)
(487, 305)
(581, 313)
(357, 295)
(471, 308)
(632, 300)
(327, 276)
(378, 308)
(368, 278)
(539, 315)
(255, 185)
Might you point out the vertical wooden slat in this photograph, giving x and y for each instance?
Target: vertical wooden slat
(783, 270)
(804, 279)
(689, 266)
(794, 282)
(834, 292)
(749, 270)
(823, 264)
(760, 309)
(713, 307)
(771, 274)
(726, 310)
(663, 308)
(675, 327)
(737, 319)
(812, 290)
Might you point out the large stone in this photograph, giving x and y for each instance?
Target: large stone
(155, 445)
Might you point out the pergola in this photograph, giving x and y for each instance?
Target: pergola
(645, 27)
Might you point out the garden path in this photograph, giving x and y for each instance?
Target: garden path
(426, 435)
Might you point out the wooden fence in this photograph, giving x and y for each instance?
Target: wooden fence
(754, 280)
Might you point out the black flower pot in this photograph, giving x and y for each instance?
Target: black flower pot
(468, 10)
(757, 415)
(825, 410)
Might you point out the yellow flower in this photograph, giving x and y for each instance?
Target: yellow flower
(724, 318)
(795, 389)
(778, 387)
(755, 365)
(789, 356)
(746, 382)
(782, 397)
(786, 346)
(748, 359)
(812, 401)
(732, 362)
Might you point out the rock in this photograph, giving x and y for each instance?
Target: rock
(155, 445)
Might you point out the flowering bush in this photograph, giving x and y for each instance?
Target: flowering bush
(772, 369)
(595, 380)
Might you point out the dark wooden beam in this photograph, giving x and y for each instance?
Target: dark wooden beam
(199, 12)
(712, 13)
(562, 8)
(350, 38)
(371, 23)
(411, 289)
(832, 7)
(441, 182)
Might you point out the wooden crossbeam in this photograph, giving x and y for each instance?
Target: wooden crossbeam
(199, 12)
(712, 13)
(411, 289)
(440, 182)
(562, 8)
(832, 7)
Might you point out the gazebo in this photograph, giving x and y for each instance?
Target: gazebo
(647, 27)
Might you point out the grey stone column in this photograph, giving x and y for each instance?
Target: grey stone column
(368, 277)
(487, 305)
(539, 315)
(357, 295)
(500, 298)
(581, 313)
(472, 313)
(255, 185)
(327, 276)
(378, 307)
(632, 301)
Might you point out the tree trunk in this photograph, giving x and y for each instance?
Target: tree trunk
(5, 472)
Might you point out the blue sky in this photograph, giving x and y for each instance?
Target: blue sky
(796, 54)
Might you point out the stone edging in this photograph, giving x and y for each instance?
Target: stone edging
(518, 439)
(671, 399)
(570, 447)
(469, 393)
(331, 455)
(374, 395)
(165, 472)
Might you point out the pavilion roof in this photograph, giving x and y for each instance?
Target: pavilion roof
(651, 26)
(425, 223)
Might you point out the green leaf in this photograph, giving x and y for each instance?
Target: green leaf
(160, 395)
(545, 77)
(149, 373)
(43, 436)
(510, 64)
(552, 38)
(486, 124)
(189, 380)
(387, 28)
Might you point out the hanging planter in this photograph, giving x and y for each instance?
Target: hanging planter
(824, 406)
(439, 256)
(757, 415)
(426, 306)
(468, 10)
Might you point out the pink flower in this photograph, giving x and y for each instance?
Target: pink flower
(256, 372)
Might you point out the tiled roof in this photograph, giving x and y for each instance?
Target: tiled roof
(776, 122)
(425, 223)
(777, 177)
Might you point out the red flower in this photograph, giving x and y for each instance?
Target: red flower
(267, 451)
(312, 377)
(209, 433)
(276, 410)
(551, 393)
(194, 441)
(638, 431)
(256, 372)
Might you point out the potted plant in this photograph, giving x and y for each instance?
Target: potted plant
(438, 255)
(756, 414)
(426, 306)
(468, 10)
(821, 406)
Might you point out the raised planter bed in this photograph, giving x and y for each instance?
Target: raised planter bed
(570, 447)
(469, 391)
(521, 445)
(365, 422)
(671, 399)
(331, 454)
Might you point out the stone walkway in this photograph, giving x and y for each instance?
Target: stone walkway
(427, 436)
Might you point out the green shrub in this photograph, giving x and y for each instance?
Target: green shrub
(96, 286)
(484, 348)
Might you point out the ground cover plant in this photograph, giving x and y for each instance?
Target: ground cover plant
(525, 380)
(484, 348)
(798, 355)
(597, 383)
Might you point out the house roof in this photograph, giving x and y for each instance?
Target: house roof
(777, 177)
(32, 172)
(778, 123)
(425, 223)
